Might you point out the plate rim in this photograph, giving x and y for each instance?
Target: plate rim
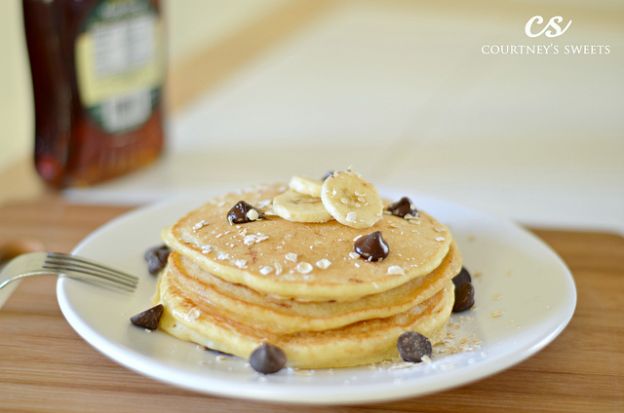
(368, 393)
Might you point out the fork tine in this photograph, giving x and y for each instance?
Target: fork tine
(65, 258)
(76, 266)
(81, 276)
(62, 262)
(96, 274)
(100, 281)
(41, 263)
(75, 259)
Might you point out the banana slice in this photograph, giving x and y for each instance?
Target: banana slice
(296, 207)
(351, 200)
(307, 186)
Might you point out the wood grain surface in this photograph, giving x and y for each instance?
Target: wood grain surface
(46, 367)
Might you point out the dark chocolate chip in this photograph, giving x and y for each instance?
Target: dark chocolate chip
(372, 247)
(149, 318)
(462, 278)
(217, 352)
(464, 297)
(267, 359)
(327, 175)
(156, 258)
(402, 207)
(413, 346)
(242, 212)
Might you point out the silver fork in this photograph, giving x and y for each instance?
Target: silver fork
(54, 263)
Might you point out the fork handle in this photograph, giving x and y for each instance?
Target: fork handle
(7, 291)
(8, 286)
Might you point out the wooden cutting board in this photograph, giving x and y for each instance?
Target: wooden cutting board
(46, 367)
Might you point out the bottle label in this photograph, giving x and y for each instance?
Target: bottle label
(120, 63)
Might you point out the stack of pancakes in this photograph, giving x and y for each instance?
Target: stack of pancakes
(300, 286)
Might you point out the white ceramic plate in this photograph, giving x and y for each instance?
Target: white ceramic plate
(525, 296)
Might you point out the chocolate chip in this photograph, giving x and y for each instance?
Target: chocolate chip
(267, 359)
(464, 291)
(372, 247)
(242, 212)
(402, 207)
(149, 318)
(327, 175)
(413, 346)
(462, 278)
(464, 297)
(156, 258)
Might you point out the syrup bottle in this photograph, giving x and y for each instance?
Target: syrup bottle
(97, 71)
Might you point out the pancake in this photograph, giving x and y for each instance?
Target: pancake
(245, 305)
(364, 342)
(265, 255)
